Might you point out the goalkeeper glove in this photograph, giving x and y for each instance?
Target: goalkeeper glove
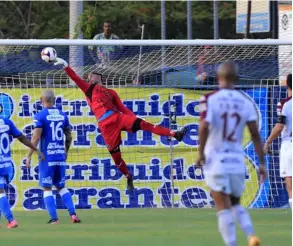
(60, 61)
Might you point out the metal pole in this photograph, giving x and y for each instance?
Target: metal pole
(75, 52)
(216, 19)
(189, 29)
(248, 19)
(189, 19)
(171, 122)
(163, 36)
(140, 55)
(275, 19)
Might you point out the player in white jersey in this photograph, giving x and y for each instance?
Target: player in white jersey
(284, 127)
(224, 115)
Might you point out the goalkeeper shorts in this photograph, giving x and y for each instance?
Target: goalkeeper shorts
(112, 126)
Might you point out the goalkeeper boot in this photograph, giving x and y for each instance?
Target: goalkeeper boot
(12, 224)
(253, 241)
(130, 186)
(180, 134)
(53, 221)
(75, 219)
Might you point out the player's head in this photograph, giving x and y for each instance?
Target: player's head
(95, 78)
(107, 27)
(289, 82)
(48, 98)
(227, 74)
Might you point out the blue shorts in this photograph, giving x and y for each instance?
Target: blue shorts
(52, 174)
(5, 180)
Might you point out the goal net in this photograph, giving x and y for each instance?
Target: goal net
(160, 81)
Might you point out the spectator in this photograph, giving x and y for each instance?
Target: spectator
(203, 69)
(106, 53)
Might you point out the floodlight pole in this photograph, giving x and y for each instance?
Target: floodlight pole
(248, 19)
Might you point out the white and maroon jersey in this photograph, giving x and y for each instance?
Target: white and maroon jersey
(227, 112)
(284, 110)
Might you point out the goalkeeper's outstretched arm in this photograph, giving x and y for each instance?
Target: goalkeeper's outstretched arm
(83, 85)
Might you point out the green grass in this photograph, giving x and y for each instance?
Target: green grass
(143, 227)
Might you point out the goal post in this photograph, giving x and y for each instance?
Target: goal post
(164, 171)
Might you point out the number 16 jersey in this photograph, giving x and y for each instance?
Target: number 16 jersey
(53, 122)
(227, 111)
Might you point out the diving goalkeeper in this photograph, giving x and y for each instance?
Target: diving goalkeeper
(113, 117)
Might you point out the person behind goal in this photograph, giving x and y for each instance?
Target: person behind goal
(224, 116)
(113, 117)
(284, 127)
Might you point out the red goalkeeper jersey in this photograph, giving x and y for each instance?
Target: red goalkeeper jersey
(99, 98)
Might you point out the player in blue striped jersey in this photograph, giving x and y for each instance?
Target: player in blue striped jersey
(8, 131)
(50, 126)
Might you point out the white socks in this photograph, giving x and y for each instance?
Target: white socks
(290, 203)
(242, 217)
(227, 227)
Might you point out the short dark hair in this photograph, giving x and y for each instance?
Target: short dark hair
(289, 81)
(99, 74)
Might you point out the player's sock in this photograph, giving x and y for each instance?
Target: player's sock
(50, 204)
(158, 130)
(227, 227)
(67, 200)
(241, 215)
(5, 207)
(120, 163)
(290, 203)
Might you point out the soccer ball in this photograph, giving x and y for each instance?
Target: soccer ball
(48, 54)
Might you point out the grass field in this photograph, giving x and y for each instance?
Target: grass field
(143, 227)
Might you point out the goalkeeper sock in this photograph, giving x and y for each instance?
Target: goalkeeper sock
(67, 200)
(290, 203)
(242, 217)
(158, 130)
(120, 163)
(50, 204)
(5, 207)
(227, 227)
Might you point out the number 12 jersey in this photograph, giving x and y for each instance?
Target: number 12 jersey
(227, 111)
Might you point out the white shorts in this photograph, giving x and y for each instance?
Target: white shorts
(230, 184)
(286, 159)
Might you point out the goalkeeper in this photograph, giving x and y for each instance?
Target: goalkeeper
(113, 117)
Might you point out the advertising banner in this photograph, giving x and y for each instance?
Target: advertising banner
(91, 174)
(260, 16)
(285, 33)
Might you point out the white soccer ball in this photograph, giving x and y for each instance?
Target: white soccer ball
(48, 54)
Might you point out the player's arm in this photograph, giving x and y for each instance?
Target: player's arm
(67, 133)
(278, 128)
(83, 85)
(37, 133)
(68, 138)
(203, 136)
(18, 134)
(119, 105)
(255, 138)
(205, 119)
